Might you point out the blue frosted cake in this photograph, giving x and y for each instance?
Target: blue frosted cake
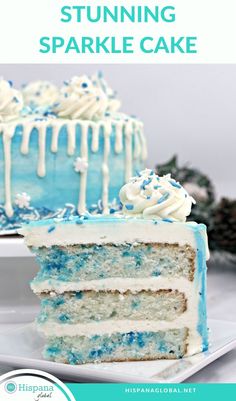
(64, 151)
(128, 286)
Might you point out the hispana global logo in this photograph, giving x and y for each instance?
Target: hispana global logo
(33, 385)
(10, 387)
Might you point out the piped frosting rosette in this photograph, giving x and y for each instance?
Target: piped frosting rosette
(11, 101)
(80, 99)
(148, 195)
(40, 94)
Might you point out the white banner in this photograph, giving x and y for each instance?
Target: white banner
(117, 31)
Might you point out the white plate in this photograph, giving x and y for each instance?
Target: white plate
(22, 348)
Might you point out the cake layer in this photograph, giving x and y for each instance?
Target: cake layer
(78, 263)
(124, 346)
(90, 306)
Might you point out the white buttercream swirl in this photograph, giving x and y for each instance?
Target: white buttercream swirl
(40, 94)
(114, 104)
(80, 99)
(149, 195)
(11, 101)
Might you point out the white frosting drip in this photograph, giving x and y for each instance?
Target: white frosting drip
(149, 195)
(187, 319)
(105, 168)
(7, 156)
(80, 99)
(114, 104)
(83, 175)
(40, 94)
(97, 128)
(11, 102)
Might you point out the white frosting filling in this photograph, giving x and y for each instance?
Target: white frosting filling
(115, 231)
(148, 194)
(187, 319)
(79, 98)
(11, 102)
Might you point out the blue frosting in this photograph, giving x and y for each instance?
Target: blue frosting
(201, 278)
(60, 186)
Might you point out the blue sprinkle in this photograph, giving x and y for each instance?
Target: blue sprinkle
(66, 83)
(51, 229)
(138, 173)
(141, 343)
(53, 351)
(97, 353)
(112, 211)
(155, 222)
(79, 221)
(66, 95)
(152, 172)
(129, 207)
(163, 198)
(10, 83)
(156, 273)
(148, 197)
(16, 100)
(145, 183)
(157, 186)
(79, 295)
(135, 304)
(167, 220)
(130, 337)
(74, 358)
(58, 302)
(84, 85)
(63, 318)
(175, 184)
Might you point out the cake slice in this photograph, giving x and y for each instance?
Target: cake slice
(128, 286)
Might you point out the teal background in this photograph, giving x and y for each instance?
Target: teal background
(160, 392)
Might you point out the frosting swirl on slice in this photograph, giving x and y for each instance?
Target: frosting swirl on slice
(11, 101)
(149, 195)
(40, 94)
(80, 99)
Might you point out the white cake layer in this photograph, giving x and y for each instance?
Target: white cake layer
(188, 319)
(116, 231)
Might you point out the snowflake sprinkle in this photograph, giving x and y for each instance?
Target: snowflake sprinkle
(80, 165)
(22, 200)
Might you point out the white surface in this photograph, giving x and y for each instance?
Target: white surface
(22, 347)
(13, 246)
